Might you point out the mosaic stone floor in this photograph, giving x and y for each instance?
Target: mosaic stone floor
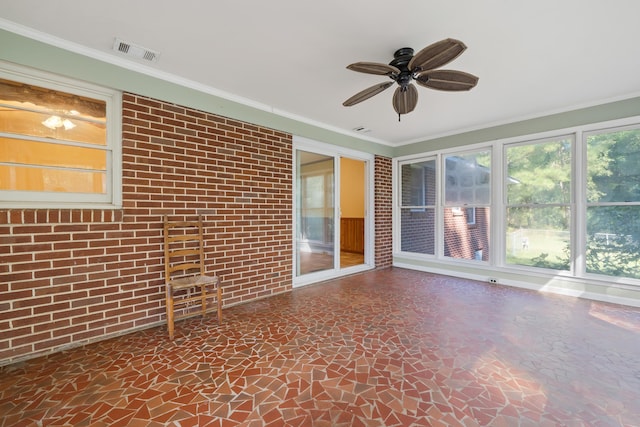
(384, 348)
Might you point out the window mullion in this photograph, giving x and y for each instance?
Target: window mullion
(498, 198)
(579, 206)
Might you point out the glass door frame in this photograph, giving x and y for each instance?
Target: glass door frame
(336, 152)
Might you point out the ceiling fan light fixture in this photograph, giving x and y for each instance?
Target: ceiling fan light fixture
(55, 122)
(68, 124)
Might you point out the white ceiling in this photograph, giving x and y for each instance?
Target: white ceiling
(289, 56)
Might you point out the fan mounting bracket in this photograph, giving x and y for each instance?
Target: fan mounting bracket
(401, 58)
(404, 51)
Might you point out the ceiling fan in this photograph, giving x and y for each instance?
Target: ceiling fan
(406, 67)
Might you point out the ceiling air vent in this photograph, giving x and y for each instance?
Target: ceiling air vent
(362, 129)
(135, 50)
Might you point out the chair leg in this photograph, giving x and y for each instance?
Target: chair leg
(219, 302)
(169, 305)
(203, 299)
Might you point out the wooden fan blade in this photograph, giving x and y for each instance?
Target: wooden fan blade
(374, 68)
(436, 55)
(404, 101)
(449, 80)
(366, 94)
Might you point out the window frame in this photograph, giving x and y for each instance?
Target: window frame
(425, 207)
(112, 198)
(464, 208)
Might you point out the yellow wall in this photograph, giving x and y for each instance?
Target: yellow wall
(351, 188)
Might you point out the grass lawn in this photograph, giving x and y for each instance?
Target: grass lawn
(547, 249)
(539, 242)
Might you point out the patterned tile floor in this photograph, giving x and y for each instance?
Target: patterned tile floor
(384, 348)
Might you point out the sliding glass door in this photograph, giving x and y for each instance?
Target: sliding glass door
(315, 245)
(332, 228)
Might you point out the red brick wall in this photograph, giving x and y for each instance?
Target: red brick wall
(417, 226)
(462, 240)
(73, 276)
(383, 200)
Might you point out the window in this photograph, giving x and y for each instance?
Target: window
(418, 187)
(613, 203)
(59, 142)
(464, 211)
(471, 216)
(569, 205)
(467, 191)
(417, 207)
(538, 197)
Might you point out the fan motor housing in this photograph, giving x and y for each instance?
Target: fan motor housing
(401, 59)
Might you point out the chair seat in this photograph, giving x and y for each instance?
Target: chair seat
(187, 282)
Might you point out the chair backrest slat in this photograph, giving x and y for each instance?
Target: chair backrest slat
(183, 238)
(184, 267)
(184, 252)
(183, 247)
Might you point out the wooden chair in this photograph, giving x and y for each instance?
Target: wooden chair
(188, 288)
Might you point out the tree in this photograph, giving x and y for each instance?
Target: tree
(539, 174)
(613, 177)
